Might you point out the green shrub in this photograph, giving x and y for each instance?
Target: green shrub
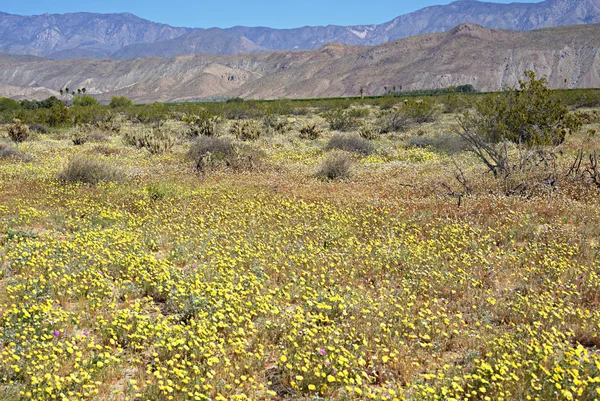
(158, 191)
(341, 120)
(85, 101)
(527, 115)
(336, 166)
(245, 130)
(88, 170)
(59, 115)
(421, 111)
(350, 143)
(392, 121)
(403, 116)
(120, 102)
(18, 132)
(7, 104)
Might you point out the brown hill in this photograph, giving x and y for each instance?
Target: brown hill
(468, 54)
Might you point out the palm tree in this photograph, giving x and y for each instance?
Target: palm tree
(83, 90)
(78, 91)
(67, 90)
(62, 92)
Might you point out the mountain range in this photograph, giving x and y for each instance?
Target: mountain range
(467, 54)
(125, 36)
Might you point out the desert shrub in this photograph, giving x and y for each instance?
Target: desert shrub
(39, 128)
(392, 121)
(444, 143)
(403, 116)
(512, 134)
(358, 112)
(245, 130)
(158, 191)
(337, 165)
(202, 123)
(151, 113)
(341, 120)
(7, 104)
(421, 111)
(211, 152)
(350, 143)
(527, 115)
(59, 115)
(368, 131)
(120, 102)
(85, 101)
(86, 133)
(88, 170)
(18, 132)
(9, 152)
(155, 140)
(310, 132)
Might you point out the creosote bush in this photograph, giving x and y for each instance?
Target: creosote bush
(527, 115)
(337, 166)
(350, 143)
(341, 120)
(120, 102)
(88, 170)
(85, 101)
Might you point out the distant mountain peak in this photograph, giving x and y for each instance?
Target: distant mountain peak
(125, 35)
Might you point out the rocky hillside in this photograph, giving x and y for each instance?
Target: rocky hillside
(467, 54)
(125, 36)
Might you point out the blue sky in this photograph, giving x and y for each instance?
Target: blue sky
(226, 13)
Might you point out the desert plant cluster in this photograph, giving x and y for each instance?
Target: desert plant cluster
(441, 247)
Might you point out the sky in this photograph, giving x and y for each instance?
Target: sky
(227, 13)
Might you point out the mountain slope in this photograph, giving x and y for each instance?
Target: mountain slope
(468, 54)
(126, 36)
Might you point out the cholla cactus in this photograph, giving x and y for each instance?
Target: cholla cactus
(245, 130)
(155, 140)
(18, 132)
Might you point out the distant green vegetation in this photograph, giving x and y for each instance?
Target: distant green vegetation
(86, 110)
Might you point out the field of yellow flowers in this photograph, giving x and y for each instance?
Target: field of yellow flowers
(271, 284)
